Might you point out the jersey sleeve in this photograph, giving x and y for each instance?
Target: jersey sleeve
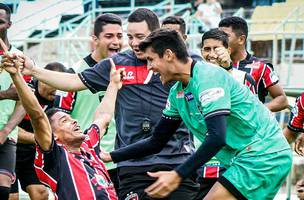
(47, 164)
(270, 78)
(93, 138)
(171, 109)
(296, 122)
(96, 78)
(214, 94)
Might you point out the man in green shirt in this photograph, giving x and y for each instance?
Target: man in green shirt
(220, 112)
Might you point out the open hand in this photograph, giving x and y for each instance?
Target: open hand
(167, 181)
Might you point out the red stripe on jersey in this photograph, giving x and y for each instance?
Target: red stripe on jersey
(41, 174)
(298, 113)
(211, 172)
(80, 178)
(135, 74)
(93, 136)
(67, 101)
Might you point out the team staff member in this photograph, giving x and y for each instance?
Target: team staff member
(108, 40)
(138, 108)
(25, 155)
(67, 159)
(223, 114)
(262, 72)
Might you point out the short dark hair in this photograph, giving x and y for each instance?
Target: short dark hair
(238, 25)
(50, 113)
(56, 66)
(162, 39)
(144, 14)
(176, 20)
(7, 9)
(104, 19)
(216, 34)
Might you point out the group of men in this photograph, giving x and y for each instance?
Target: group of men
(156, 116)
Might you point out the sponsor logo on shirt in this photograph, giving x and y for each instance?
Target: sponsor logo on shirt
(61, 93)
(255, 65)
(129, 76)
(211, 95)
(273, 77)
(189, 96)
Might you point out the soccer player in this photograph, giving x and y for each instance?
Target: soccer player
(216, 51)
(25, 171)
(220, 112)
(11, 112)
(262, 72)
(67, 158)
(108, 40)
(139, 106)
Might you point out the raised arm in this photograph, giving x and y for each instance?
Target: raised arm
(39, 120)
(104, 112)
(59, 80)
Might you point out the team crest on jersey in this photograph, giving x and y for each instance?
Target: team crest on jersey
(180, 94)
(99, 181)
(211, 95)
(132, 196)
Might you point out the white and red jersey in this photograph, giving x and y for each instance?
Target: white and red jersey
(80, 175)
(262, 73)
(296, 122)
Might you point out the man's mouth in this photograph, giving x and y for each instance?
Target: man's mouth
(113, 50)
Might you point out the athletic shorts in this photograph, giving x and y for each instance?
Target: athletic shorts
(257, 177)
(8, 159)
(133, 181)
(25, 171)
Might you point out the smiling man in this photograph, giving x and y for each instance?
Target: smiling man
(139, 106)
(225, 116)
(67, 158)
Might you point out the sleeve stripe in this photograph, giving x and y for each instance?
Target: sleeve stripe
(90, 87)
(295, 129)
(217, 112)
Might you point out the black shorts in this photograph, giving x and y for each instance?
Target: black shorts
(25, 171)
(133, 181)
(114, 178)
(8, 158)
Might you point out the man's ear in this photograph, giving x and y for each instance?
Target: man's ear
(242, 39)
(168, 55)
(229, 50)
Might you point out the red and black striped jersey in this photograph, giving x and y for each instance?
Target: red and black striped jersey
(262, 73)
(296, 122)
(71, 175)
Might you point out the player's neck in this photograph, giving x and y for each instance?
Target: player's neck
(97, 56)
(239, 55)
(6, 42)
(184, 71)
